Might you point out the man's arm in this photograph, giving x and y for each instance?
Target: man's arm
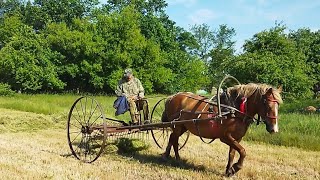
(141, 89)
(119, 91)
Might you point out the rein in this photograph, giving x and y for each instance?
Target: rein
(223, 105)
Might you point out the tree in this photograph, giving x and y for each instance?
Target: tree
(81, 49)
(215, 48)
(9, 7)
(186, 40)
(38, 13)
(308, 43)
(221, 54)
(205, 39)
(49, 45)
(151, 7)
(166, 50)
(314, 57)
(271, 57)
(26, 60)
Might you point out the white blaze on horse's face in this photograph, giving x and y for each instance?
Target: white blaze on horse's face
(275, 127)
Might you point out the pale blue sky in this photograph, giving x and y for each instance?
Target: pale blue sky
(247, 17)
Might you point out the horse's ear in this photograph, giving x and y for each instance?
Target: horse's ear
(280, 88)
(269, 91)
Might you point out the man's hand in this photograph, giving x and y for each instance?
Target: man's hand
(133, 97)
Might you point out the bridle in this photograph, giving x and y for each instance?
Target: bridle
(265, 103)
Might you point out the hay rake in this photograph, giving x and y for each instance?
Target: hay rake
(89, 131)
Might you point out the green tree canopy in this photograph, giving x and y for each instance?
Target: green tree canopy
(71, 45)
(26, 60)
(271, 57)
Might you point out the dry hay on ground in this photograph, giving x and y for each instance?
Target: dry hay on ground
(45, 154)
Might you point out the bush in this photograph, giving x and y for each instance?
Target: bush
(5, 90)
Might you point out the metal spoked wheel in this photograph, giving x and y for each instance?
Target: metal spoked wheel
(161, 135)
(86, 129)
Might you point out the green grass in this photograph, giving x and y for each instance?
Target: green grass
(50, 111)
(40, 104)
(297, 130)
(49, 104)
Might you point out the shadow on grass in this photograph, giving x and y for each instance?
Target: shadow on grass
(67, 155)
(130, 148)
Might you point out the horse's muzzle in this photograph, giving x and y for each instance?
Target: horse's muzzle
(271, 131)
(271, 128)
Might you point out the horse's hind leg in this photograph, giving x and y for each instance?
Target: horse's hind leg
(179, 130)
(166, 154)
(174, 141)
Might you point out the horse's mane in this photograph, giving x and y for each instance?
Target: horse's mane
(246, 90)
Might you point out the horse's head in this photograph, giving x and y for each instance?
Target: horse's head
(260, 99)
(268, 109)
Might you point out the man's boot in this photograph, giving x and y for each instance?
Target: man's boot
(133, 119)
(137, 118)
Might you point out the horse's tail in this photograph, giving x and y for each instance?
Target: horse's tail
(164, 117)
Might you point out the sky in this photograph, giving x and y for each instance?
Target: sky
(247, 17)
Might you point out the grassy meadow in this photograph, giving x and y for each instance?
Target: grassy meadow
(33, 145)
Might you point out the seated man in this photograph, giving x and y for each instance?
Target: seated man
(132, 89)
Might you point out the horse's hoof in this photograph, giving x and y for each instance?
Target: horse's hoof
(164, 157)
(230, 172)
(233, 170)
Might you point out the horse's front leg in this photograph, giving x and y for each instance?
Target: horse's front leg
(228, 139)
(231, 156)
(230, 159)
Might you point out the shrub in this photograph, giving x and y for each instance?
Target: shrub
(5, 90)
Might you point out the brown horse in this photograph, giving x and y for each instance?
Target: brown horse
(244, 100)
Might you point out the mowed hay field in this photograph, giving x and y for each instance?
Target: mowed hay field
(34, 146)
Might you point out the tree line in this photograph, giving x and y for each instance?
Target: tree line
(76, 45)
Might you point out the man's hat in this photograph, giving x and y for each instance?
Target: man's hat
(127, 72)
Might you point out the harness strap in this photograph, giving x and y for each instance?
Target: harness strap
(223, 105)
(213, 103)
(195, 121)
(259, 120)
